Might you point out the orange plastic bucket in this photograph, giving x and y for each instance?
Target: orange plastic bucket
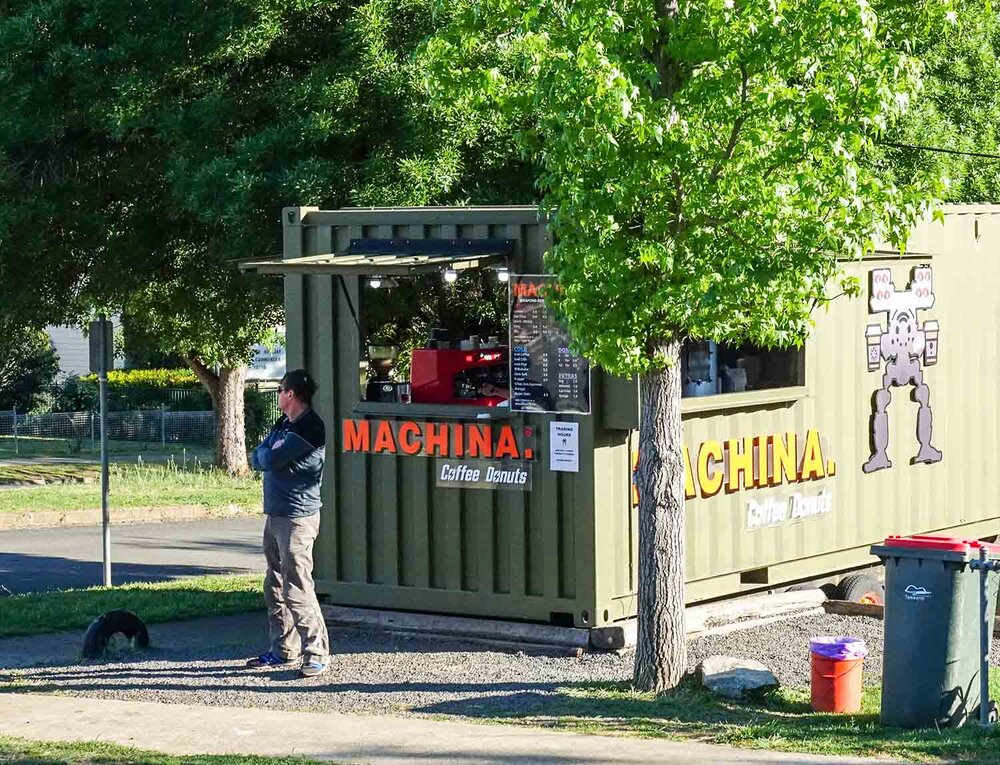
(836, 684)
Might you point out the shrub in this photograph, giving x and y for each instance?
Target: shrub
(28, 366)
(133, 389)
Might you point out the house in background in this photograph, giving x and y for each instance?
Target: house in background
(72, 346)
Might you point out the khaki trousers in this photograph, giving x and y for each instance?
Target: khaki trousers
(289, 592)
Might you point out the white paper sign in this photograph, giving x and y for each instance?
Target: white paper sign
(564, 446)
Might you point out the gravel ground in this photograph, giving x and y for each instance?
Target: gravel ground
(200, 662)
(784, 646)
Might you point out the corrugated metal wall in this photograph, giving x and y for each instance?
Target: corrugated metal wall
(389, 536)
(956, 494)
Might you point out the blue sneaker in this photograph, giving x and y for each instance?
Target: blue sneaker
(314, 668)
(266, 660)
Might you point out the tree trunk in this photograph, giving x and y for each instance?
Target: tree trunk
(226, 389)
(661, 650)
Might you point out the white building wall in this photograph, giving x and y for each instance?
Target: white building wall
(73, 349)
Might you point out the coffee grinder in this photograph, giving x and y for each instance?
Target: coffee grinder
(381, 360)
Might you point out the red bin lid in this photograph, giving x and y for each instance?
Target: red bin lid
(939, 543)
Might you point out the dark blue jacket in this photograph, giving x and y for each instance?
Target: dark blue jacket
(291, 458)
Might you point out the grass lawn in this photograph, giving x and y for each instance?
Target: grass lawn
(18, 750)
(38, 613)
(49, 472)
(136, 484)
(780, 721)
(38, 447)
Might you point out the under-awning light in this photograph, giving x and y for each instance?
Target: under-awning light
(503, 274)
(375, 282)
(450, 275)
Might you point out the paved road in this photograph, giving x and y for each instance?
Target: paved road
(47, 559)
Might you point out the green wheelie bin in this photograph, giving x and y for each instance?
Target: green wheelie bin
(931, 661)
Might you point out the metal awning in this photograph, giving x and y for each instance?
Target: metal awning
(392, 257)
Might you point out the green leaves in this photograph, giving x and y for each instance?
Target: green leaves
(702, 171)
(959, 109)
(144, 146)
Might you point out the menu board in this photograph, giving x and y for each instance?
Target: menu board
(545, 375)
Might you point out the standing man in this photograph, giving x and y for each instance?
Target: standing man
(291, 458)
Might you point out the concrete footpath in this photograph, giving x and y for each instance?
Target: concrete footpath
(381, 740)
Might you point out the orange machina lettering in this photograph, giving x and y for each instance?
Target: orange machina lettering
(384, 439)
(457, 440)
(480, 441)
(356, 435)
(409, 441)
(506, 444)
(435, 440)
(635, 489)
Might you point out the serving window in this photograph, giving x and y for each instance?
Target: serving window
(709, 368)
(431, 314)
(428, 339)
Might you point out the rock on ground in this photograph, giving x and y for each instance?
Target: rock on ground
(734, 678)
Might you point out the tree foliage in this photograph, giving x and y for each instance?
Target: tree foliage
(28, 367)
(959, 110)
(146, 146)
(705, 163)
(143, 147)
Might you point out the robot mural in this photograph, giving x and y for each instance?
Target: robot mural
(901, 344)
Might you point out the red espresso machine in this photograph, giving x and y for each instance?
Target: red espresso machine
(473, 377)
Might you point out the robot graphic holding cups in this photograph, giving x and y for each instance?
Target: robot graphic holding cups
(901, 344)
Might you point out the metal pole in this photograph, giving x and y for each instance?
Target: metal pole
(163, 424)
(16, 450)
(985, 633)
(105, 512)
(93, 430)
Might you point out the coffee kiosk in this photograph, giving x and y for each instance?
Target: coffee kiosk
(495, 477)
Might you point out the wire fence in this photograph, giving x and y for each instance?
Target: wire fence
(70, 432)
(179, 423)
(188, 398)
(261, 404)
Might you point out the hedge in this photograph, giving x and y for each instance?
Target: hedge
(134, 389)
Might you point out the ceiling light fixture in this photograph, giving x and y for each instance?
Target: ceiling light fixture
(450, 275)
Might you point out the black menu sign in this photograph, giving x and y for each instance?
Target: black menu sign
(545, 376)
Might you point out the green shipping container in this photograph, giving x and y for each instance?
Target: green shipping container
(789, 454)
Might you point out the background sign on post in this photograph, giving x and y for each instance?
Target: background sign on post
(564, 446)
(102, 354)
